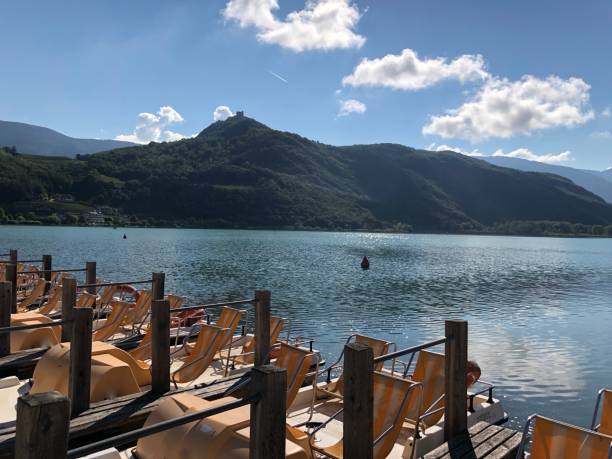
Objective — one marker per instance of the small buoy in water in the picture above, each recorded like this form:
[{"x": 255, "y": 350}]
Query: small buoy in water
[
  {"x": 365, "y": 263},
  {"x": 124, "y": 236}
]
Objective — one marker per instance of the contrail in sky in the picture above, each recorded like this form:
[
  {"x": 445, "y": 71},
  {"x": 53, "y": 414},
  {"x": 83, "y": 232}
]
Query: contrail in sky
[{"x": 277, "y": 76}]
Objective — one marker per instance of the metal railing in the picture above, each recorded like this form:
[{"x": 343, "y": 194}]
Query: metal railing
[{"x": 54, "y": 323}]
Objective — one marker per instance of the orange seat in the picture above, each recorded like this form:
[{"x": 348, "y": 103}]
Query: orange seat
[
  {"x": 605, "y": 426},
  {"x": 556, "y": 440},
  {"x": 391, "y": 405},
  {"x": 34, "y": 338},
  {"x": 110, "y": 376},
  {"x": 209, "y": 342},
  {"x": 379, "y": 347},
  {"x": 214, "y": 436}
]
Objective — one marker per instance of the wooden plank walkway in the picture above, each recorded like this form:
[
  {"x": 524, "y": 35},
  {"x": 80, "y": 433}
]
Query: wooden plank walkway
[
  {"x": 112, "y": 417},
  {"x": 483, "y": 441}
]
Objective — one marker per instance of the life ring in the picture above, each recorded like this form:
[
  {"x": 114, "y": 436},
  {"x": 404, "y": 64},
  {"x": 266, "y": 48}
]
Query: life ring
[
  {"x": 127, "y": 290},
  {"x": 473, "y": 373},
  {"x": 187, "y": 318}
]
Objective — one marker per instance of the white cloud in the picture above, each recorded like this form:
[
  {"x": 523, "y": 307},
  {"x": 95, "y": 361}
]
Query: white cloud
[
  {"x": 523, "y": 153},
  {"x": 606, "y": 112},
  {"x": 151, "y": 127},
  {"x": 221, "y": 113},
  {"x": 351, "y": 106},
  {"x": 322, "y": 24},
  {"x": 503, "y": 108},
  {"x": 601, "y": 135},
  {"x": 407, "y": 71}
]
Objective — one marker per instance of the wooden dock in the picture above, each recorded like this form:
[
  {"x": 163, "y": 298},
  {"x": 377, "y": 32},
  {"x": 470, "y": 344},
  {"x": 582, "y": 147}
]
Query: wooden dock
[
  {"x": 111, "y": 417},
  {"x": 483, "y": 441}
]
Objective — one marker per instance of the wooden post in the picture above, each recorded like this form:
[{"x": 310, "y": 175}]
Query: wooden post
[
  {"x": 13, "y": 256},
  {"x": 268, "y": 415},
  {"x": 80, "y": 361},
  {"x": 262, "y": 327},
  {"x": 358, "y": 416},
  {"x": 157, "y": 289},
  {"x": 68, "y": 305},
  {"x": 42, "y": 426},
  {"x": 90, "y": 276},
  {"x": 160, "y": 340},
  {"x": 11, "y": 276},
  {"x": 6, "y": 298},
  {"x": 455, "y": 381},
  {"x": 47, "y": 265}
]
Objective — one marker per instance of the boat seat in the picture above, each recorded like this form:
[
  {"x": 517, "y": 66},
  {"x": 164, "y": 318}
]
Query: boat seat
[
  {"x": 110, "y": 377},
  {"x": 216, "y": 437},
  {"x": 114, "y": 372},
  {"x": 335, "y": 389},
  {"x": 37, "y": 337},
  {"x": 554, "y": 439}
]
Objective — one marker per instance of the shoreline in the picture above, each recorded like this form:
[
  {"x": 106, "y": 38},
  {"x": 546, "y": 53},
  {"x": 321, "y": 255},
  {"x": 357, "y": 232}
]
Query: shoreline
[{"x": 326, "y": 230}]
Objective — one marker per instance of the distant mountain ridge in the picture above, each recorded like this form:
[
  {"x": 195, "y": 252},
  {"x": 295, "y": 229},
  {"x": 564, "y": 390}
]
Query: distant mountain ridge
[
  {"x": 240, "y": 173},
  {"x": 38, "y": 140},
  {"x": 596, "y": 182}
]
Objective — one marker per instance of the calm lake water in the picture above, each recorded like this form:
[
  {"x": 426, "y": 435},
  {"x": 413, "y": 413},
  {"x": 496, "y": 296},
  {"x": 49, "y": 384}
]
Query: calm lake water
[{"x": 539, "y": 309}]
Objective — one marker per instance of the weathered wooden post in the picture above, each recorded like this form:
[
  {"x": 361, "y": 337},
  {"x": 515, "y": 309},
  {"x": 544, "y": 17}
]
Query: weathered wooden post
[
  {"x": 80, "y": 361},
  {"x": 262, "y": 327},
  {"x": 13, "y": 256},
  {"x": 47, "y": 266},
  {"x": 90, "y": 276},
  {"x": 68, "y": 304},
  {"x": 160, "y": 340},
  {"x": 11, "y": 276},
  {"x": 268, "y": 415},
  {"x": 158, "y": 286},
  {"x": 42, "y": 426},
  {"x": 455, "y": 378},
  {"x": 5, "y": 317},
  {"x": 358, "y": 416}
]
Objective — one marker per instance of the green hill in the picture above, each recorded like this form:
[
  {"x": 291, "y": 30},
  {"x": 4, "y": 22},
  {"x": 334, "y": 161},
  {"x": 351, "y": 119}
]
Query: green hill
[{"x": 240, "y": 173}]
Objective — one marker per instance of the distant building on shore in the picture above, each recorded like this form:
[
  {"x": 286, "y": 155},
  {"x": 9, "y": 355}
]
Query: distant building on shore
[
  {"x": 240, "y": 114},
  {"x": 64, "y": 198},
  {"x": 94, "y": 218}
]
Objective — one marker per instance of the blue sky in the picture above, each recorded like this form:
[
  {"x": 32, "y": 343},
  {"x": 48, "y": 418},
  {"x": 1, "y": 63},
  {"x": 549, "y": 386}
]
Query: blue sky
[{"x": 529, "y": 79}]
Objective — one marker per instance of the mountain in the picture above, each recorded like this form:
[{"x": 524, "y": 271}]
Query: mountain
[
  {"x": 594, "y": 181},
  {"x": 241, "y": 173},
  {"x": 607, "y": 174},
  {"x": 38, "y": 140}
]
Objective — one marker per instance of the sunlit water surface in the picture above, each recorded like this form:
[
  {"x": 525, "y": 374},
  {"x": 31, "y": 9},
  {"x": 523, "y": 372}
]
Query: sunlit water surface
[{"x": 539, "y": 309}]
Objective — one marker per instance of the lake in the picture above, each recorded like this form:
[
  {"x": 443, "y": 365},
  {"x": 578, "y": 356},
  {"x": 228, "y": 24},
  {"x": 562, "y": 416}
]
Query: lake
[{"x": 539, "y": 309}]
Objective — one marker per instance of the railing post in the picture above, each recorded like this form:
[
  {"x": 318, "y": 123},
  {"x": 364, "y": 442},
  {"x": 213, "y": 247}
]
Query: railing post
[
  {"x": 358, "y": 416},
  {"x": 268, "y": 415},
  {"x": 262, "y": 327},
  {"x": 90, "y": 276},
  {"x": 158, "y": 286},
  {"x": 68, "y": 305},
  {"x": 80, "y": 361},
  {"x": 5, "y": 317},
  {"x": 11, "y": 276},
  {"x": 47, "y": 265},
  {"x": 455, "y": 382},
  {"x": 13, "y": 256},
  {"x": 160, "y": 340},
  {"x": 42, "y": 426}
]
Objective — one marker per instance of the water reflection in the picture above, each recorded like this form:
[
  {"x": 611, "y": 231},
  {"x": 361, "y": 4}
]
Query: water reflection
[{"x": 538, "y": 307}]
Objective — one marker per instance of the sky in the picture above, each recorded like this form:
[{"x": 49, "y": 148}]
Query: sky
[{"x": 522, "y": 78}]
